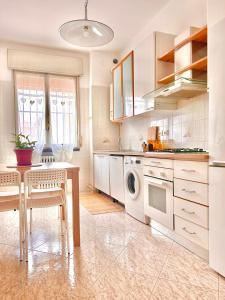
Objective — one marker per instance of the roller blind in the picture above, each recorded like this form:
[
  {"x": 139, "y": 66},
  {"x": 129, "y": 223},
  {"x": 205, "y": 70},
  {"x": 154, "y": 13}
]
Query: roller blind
[{"x": 44, "y": 63}]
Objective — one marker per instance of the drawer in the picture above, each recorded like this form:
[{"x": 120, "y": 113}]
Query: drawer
[
  {"x": 166, "y": 174},
  {"x": 191, "y": 170},
  {"x": 193, "y": 191},
  {"x": 192, "y": 232},
  {"x": 159, "y": 162},
  {"x": 193, "y": 212}
]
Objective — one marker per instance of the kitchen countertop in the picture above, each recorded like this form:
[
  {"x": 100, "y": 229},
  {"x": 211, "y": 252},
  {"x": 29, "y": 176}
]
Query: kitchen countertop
[
  {"x": 122, "y": 152},
  {"x": 176, "y": 156}
]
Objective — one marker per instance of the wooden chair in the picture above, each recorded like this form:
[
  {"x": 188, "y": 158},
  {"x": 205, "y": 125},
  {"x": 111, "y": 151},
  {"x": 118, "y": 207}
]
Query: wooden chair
[
  {"x": 12, "y": 200},
  {"x": 45, "y": 188}
]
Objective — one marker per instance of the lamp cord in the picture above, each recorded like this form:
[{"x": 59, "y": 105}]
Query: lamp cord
[{"x": 85, "y": 6}]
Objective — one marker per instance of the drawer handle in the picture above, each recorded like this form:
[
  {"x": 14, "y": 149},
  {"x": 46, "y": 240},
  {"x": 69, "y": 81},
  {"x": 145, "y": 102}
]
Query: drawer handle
[
  {"x": 189, "y": 191},
  {"x": 187, "y": 170},
  {"x": 185, "y": 229},
  {"x": 188, "y": 212},
  {"x": 150, "y": 172},
  {"x": 155, "y": 162},
  {"x": 162, "y": 174}
]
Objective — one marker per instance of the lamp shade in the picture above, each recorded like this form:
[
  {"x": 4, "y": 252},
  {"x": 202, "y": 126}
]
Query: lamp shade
[{"x": 86, "y": 33}]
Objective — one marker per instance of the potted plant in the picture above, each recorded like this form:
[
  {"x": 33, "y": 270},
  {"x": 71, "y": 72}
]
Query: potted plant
[{"x": 24, "y": 149}]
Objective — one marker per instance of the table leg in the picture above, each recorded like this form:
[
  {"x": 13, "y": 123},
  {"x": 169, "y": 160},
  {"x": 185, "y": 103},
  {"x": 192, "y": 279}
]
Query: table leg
[
  {"x": 62, "y": 212},
  {"x": 75, "y": 208}
]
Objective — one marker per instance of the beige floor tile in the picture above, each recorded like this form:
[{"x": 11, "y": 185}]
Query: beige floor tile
[
  {"x": 142, "y": 264},
  {"x": 222, "y": 283},
  {"x": 119, "y": 258},
  {"x": 117, "y": 281},
  {"x": 221, "y": 295},
  {"x": 176, "y": 269},
  {"x": 152, "y": 242},
  {"x": 165, "y": 289}
]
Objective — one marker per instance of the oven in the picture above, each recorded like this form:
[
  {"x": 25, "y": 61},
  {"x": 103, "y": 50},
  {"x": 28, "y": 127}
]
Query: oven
[{"x": 158, "y": 198}]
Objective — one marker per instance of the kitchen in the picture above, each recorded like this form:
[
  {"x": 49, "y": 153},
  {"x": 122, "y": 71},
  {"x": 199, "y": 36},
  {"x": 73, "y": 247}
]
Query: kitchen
[{"x": 151, "y": 144}]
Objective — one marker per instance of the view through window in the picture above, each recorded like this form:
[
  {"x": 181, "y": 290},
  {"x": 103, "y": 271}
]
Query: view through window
[{"x": 47, "y": 108}]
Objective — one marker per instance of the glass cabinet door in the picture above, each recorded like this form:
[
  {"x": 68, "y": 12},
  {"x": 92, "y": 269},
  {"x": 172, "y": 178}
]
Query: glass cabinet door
[
  {"x": 117, "y": 93},
  {"x": 128, "y": 93}
]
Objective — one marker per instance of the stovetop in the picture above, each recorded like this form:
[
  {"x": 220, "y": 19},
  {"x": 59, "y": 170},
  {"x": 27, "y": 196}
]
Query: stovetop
[{"x": 182, "y": 150}]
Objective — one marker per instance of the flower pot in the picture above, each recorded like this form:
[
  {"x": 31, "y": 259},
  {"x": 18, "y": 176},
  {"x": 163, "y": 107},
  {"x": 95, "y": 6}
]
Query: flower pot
[{"x": 24, "y": 157}]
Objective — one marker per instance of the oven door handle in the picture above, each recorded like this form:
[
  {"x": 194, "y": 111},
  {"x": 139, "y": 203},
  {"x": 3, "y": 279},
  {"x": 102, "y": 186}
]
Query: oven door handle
[{"x": 155, "y": 182}]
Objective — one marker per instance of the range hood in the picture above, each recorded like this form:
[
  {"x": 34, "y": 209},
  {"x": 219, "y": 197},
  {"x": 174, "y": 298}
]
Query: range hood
[{"x": 181, "y": 88}]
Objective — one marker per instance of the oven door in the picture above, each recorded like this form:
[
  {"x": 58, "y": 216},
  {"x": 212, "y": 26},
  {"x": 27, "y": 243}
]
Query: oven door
[{"x": 158, "y": 200}]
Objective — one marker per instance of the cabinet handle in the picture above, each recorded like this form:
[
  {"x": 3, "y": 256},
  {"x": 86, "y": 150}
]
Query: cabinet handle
[
  {"x": 185, "y": 229},
  {"x": 150, "y": 172},
  {"x": 189, "y": 191},
  {"x": 155, "y": 162},
  {"x": 186, "y": 170},
  {"x": 188, "y": 212},
  {"x": 162, "y": 174}
]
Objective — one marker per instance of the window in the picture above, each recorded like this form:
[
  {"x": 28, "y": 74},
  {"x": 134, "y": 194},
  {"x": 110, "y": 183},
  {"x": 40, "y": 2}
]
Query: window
[
  {"x": 62, "y": 110},
  {"x": 47, "y": 108}
]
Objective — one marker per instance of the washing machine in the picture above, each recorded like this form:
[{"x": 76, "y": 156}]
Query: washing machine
[{"x": 134, "y": 187}]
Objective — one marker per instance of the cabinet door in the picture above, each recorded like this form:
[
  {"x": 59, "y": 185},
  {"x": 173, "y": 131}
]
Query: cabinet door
[
  {"x": 128, "y": 85},
  {"x": 105, "y": 174},
  {"x": 101, "y": 173},
  {"x": 117, "y": 93},
  {"x": 116, "y": 178},
  {"x": 144, "y": 65},
  {"x": 97, "y": 172}
]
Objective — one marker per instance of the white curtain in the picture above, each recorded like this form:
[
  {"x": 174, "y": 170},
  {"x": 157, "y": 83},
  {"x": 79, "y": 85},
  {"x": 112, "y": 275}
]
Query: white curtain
[{"x": 63, "y": 116}]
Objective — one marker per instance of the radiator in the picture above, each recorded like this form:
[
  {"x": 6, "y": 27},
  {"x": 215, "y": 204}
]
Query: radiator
[{"x": 47, "y": 159}]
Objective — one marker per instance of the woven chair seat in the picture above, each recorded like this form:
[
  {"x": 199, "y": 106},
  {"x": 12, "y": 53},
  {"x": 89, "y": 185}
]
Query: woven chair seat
[{"x": 45, "y": 198}]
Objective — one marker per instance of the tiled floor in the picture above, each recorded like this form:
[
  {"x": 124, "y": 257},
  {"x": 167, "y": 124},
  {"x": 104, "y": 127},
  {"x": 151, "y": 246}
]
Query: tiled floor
[{"x": 119, "y": 258}]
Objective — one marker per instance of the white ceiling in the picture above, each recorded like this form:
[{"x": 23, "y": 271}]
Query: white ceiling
[{"x": 37, "y": 22}]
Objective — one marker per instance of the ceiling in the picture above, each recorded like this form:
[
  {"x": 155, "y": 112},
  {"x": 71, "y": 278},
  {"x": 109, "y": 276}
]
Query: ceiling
[{"x": 37, "y": 22}]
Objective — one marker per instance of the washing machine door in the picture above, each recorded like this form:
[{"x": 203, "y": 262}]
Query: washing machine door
[{"x": 132, "y": 184}]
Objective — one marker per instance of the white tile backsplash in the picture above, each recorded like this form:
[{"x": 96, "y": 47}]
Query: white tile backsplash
[{"x": 185, "y": 127}]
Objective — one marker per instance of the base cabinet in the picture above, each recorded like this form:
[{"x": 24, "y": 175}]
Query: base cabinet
[
  {"x": 101, "y": 173},
  {"x": 116, "y": 178}
]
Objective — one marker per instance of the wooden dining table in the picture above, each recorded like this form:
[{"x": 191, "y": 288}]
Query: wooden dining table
[{"x": 72, "y": 173}]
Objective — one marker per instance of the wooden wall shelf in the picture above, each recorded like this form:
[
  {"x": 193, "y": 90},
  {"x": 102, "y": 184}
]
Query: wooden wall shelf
[
  {"x": 200, "y": 65},
  {"x": 198, "y": 36}
]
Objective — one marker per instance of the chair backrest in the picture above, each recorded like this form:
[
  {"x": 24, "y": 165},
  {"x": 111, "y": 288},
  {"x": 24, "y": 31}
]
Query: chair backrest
[
  {"x": 44, "y": 179},
  {"x": 10, "y": 178}
]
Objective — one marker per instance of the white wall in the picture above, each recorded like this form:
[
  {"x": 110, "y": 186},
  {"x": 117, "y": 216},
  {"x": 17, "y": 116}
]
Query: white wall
[
  {"x": 185, "y": 127},
  {"x": 103, "y": 133},
  {"x": 7, "y": 108},
  {"x": 188, "y": 125},
  {"x": 174, "y": 18},
  {"x": 216, "y": 49}
]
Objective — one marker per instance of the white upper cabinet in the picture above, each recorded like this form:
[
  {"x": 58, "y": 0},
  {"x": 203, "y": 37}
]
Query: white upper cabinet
[
  {"x": 128, "y": 92},
  {"x": 123, "y": 89},
  {"x": 117, "y": 93},
  {"x": 144, "y": 64}
]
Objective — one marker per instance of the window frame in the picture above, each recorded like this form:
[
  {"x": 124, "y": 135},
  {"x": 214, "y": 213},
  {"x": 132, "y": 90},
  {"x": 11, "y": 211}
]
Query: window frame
[{"x": 47, "y": 105}]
